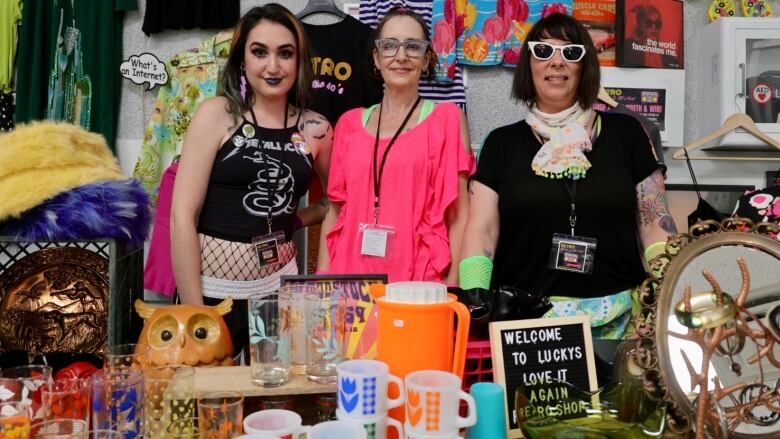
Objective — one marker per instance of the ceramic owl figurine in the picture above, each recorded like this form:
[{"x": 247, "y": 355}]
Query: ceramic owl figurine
[{"x": 195, "y": 335}]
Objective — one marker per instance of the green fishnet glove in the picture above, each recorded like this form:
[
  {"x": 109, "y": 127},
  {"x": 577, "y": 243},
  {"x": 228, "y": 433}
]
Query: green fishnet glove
[{"x": 475, "y": 272}]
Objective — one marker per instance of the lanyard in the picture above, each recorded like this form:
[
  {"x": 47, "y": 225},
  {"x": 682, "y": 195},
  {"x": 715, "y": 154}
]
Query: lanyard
[
  {"x": 272, "y": 189},
  {"x": 378, "y": 175},
  {"x": 572, "y": 191}
]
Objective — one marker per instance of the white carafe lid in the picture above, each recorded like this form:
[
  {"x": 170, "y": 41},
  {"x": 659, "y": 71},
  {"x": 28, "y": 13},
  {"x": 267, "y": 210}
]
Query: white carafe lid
[{"x": 416, "y": 292}]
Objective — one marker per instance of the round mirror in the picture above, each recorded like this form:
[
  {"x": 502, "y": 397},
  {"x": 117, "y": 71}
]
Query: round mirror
[{"x": 742, "y": 370}]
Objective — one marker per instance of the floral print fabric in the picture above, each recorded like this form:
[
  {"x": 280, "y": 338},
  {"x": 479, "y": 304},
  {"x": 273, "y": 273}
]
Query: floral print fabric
[
  {"x": 193, "y": 79},
  {"x": 485, "y": 32},
  {"x": 609, "y": 315}
]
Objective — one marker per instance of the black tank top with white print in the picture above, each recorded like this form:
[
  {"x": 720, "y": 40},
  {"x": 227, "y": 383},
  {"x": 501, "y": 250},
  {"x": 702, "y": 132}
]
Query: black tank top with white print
[{"x": 251, "y": 173}]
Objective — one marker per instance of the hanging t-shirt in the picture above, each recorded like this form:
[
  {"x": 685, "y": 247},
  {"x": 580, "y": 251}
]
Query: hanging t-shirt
[
  {"x": 341, "y": 62},
  {"x": 10, "y": 14},
  {"x": 98, "y": 24},
  {"x": 371, "y": 11},
  {"x": 189, "y": 14}
]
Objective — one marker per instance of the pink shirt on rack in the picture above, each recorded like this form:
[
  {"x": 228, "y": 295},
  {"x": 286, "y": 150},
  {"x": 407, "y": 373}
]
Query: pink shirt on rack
[{"x": 419, "y": 183}]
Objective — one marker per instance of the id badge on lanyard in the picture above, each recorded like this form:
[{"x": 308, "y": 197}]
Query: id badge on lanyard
[
  {"x": 376, "y": 239},
  {"x": 267, "y": 248},
  {"x": 571, "y": 252}
]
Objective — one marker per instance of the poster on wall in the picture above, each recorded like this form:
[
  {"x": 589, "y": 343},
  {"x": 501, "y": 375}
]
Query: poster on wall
[
  {"x": 598, "y": 16},
  {"x": 650, "y": 33},
  {"x": 650, "y": 102},
  {"x": 657, "y": 94}
]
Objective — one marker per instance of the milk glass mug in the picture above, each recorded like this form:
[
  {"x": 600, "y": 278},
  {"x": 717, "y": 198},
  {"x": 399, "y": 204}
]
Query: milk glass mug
[
  {"x": 362, "y": 389},
  {"x": 433, "y": 401}
]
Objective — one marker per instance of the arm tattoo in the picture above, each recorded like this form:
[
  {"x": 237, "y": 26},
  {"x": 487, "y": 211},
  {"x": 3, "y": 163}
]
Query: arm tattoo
[
  {"x": 652, "y": 204},
  {"x": 324, "y": 202},
  {"x": 487, "y": 253}
]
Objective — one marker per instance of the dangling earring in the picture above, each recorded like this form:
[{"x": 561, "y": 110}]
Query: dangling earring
[
  {"x": 377, "y": 72},
  {"x": 243, "y": 87}
]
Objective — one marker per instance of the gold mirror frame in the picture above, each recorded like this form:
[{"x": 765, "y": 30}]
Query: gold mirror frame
[{"x": 656, "y": 298}]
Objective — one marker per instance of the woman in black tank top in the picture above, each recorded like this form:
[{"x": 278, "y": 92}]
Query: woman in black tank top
[{"x": 247, "y": 159}]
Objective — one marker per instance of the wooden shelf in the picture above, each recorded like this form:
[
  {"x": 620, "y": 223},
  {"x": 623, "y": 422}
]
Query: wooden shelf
[{"x": 237, "y": 379}]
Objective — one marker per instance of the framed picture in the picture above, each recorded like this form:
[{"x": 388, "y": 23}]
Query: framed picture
[
  {"x": 362, "y": 314},
  {"x": 650, "y": 34},
  {"x": 682, "y": 199},
  {"x": 657, "y": 94},
  {"x": 352, "y": 9}
]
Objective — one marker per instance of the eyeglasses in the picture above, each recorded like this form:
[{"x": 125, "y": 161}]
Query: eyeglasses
[
  {"x": 655, "y": 24},
  {"x": 545, "y": 51},
  {"x": 388, "y": 47}
]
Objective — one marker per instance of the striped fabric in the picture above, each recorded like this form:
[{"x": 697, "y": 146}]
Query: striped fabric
[{"x": 371, "y": 11}]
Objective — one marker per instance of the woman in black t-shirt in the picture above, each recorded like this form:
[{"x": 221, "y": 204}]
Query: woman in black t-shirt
[
  {"x": 562, "y": 200},
  {"x": 247, "y": 159}
]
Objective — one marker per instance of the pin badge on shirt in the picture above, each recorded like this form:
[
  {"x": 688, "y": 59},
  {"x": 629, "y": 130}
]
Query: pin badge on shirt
[
  {"x": 248, "y": 130},
  {"x": 299, "y": 143},
  {"x": 238, "y": 141}
]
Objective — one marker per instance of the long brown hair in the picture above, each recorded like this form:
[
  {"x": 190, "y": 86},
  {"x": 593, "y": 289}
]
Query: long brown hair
[{"x": 231, "y": 78}]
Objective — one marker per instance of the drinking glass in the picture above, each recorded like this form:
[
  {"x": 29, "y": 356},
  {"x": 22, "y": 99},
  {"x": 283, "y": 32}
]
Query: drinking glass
[
  {"x": 325, "y": 334},
  {"x": 15, "y": 420},
  {"x": 170, "y": 397},
  {"x": 270, "y": 338},
  {"x": 221, "y": 415},
  {"x": 104, "y": 434},
  {"x": 67, "y": 399},
  {"x": 118, "y": 401},
  {"x": 297, "y": 294},
  {"x": 183, "y": 429},
  {"x": 23, "y": 384},
  {"x": 59, "y": 429},
  {"x": 131, "y": 355}
]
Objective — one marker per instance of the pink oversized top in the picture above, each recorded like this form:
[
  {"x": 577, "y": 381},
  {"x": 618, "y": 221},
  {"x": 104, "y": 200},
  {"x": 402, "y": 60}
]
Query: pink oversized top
[{"x": 419, "y": 183}]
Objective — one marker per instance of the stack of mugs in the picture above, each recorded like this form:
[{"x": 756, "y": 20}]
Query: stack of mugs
[
  {"x": 363, "y": 396},
  {"x": 432, "y": 403}
]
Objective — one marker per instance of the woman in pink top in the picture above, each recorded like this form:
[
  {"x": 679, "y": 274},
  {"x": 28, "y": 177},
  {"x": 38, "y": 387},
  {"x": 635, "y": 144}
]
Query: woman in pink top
[{"x": 399, "y": 170}]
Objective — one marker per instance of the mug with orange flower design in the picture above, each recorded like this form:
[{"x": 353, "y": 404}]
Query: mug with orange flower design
[
  {"x": 432, "y": 403},
  {"x": 221, "y": 415}
]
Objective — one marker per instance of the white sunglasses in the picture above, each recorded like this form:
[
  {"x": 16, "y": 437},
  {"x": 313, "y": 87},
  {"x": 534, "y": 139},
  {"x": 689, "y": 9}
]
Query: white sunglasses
[{"x": 544, "y": 51}]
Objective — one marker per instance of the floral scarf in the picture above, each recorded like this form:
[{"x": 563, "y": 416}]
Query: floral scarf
[{"x": 563, "y": 155}]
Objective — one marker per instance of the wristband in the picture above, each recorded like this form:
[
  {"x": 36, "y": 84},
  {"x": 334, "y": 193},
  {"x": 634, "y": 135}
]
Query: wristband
[
  {"x": 475, "y": 272},
  {"x": 654, "y": 250}
]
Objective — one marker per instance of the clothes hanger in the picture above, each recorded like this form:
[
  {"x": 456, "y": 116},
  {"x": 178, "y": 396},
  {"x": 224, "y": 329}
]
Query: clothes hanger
[
  {"x": 736, "y": 120},
  {"x": 321, "y": 6},
  {"x": 604, "y": 97}
]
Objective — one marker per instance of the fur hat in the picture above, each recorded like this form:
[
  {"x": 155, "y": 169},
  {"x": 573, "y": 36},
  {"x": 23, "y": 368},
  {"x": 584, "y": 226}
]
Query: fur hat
[{"x": 43, "y": 159}]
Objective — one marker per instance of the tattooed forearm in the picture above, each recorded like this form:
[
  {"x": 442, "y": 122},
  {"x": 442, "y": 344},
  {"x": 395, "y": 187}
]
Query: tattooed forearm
[
  {"x": 652, "y": 204},
  {"x": 487, "y": 253}
]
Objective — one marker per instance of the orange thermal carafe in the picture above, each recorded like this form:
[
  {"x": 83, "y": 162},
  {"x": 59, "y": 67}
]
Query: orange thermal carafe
[{"x": 417, "y": 336}]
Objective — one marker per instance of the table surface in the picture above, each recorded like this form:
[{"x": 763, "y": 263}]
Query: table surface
[{"x": 237, "y": 379}]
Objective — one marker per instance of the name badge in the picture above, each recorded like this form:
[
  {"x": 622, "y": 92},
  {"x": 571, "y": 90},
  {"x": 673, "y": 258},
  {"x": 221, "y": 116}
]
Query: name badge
[
  {"x": 375, "y": 239},
  {"x": 572, "y": 253},
  {"x": 267, "y": 248}
]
